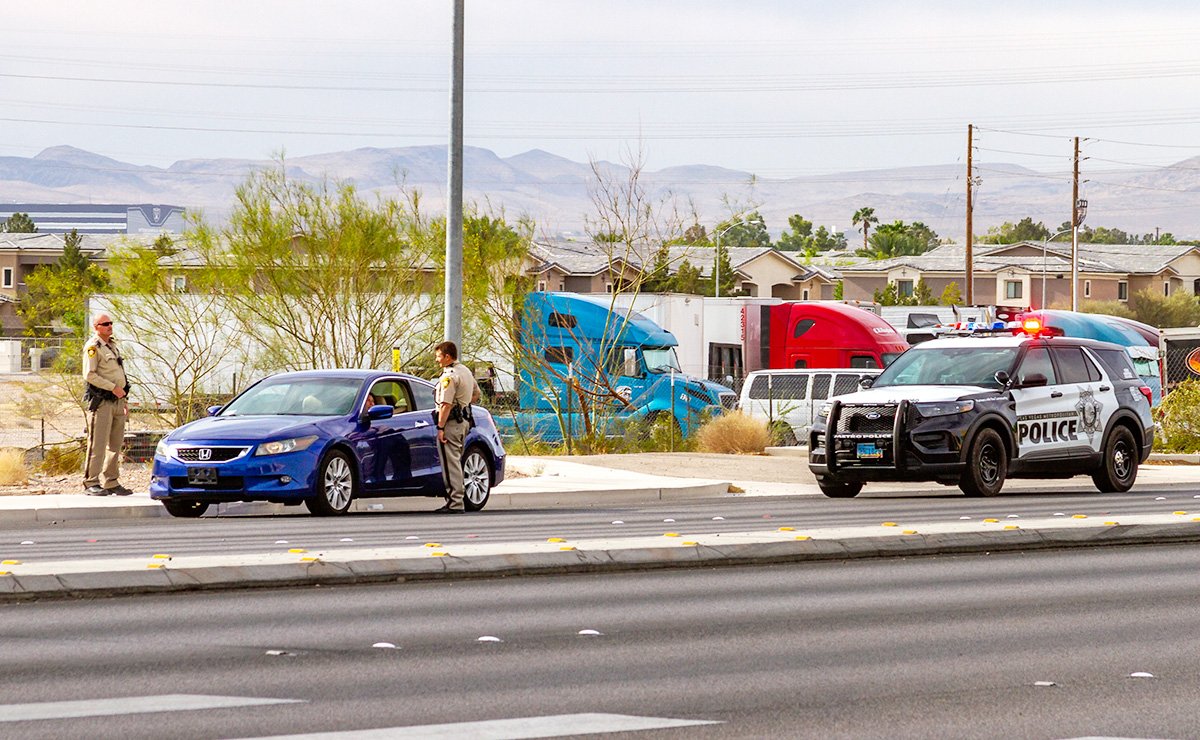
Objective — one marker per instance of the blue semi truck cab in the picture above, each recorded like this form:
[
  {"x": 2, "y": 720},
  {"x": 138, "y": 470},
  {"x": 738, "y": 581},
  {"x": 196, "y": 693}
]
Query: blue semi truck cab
[{"x": 622, "y": 367}]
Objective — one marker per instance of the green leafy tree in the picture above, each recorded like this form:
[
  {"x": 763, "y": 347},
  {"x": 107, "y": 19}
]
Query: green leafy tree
[
  {"x": 839, "y": 291},
  {"x": 899, "y": 239},
  {"x": 687, "y": 279},
  {"x": 865, "y": 217},
  {"x": 19, "y": 223},
  {"x": 824, "y": 241},
  {"x": 58, "y": 294},
  {"x": 799, "y": 238},
  {"x": 922, "y": 294},
  {"x": 951, "y": 295},
  {"x": 1009, "y": 233},
  {"x": 749, "y": 230}
]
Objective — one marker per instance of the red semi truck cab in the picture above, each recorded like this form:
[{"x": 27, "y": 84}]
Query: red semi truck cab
[{"x": 818, "y": 335}]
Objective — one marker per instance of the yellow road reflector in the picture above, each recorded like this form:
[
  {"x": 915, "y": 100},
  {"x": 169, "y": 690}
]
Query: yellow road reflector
[
  {"x": 1111, "y": 524},
  {"x": 297, "y": 550},
  {"x": 433, "y": 544},
  {"x": 556, "y": 539},
  {"x": 803, "y": 537},
  {"x": 670, "y": 534},
  {"x": 439, "y": 554},
  {"x": 690, "y": 543},
  {"x": 890, "y": 524},
  {"x": 909, "y": 531},
  {"x": 1181, "y": 513},
  {"x": 156, "y": 565},
  {"x": 990, "y": 521},
  {"x": 1079, "y": 516},
  {"x": 787, "y": 529},
  {"x": 10, "y": 562},
  {"x": 1011, "y": 526},
  {"x": 309, "y": 559},
  {"x": 566, "y": 547},
  {"x": 5, "y": 573},
  {"x": 161, "y": 556}
]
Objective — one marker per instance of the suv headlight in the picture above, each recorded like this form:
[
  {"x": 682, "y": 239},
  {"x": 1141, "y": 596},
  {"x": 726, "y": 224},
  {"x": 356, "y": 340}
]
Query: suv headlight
[
  {"x": 943, "y": 408},
  {"x": 823, "y": 412},
  {"x": 280, "y": 446}
]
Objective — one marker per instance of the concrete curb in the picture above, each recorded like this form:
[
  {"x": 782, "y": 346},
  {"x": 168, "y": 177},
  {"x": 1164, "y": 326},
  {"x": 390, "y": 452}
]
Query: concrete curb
[{"x": 135, "y": 576}]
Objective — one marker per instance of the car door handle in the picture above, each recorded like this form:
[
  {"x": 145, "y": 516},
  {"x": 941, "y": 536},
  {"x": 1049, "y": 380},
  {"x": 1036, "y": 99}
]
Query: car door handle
[
  {"x": 420, "y": 424},
  {"x": 1056, "y": 394},
  {"x": 1105, "y": 388}
]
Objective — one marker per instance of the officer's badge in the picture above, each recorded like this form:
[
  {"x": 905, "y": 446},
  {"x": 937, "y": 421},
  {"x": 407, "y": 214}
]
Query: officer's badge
[
  {"x": 1089, "y": 412},
  {"x": 445, "y": 381},
  {"x": 91, "y": 351}
]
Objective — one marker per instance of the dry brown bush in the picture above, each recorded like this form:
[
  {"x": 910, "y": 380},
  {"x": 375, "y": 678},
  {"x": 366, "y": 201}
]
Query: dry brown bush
[
  {"x": 63, "y": 459},
  {"x": 12, "y": 467},
  {"x": 733, "y": 433}
]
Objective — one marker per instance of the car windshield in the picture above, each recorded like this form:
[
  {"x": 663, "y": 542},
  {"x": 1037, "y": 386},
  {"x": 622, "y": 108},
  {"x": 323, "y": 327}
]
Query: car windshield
[
  {"x": 661, "y": 360},
  {"x": 948, "y": 366},
  {"x": 296, "y": 397}
]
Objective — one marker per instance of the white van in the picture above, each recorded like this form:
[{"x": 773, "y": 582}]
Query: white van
[{"x": 794, "y": 395}]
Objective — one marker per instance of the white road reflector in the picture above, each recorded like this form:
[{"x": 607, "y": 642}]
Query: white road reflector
[
  {"x": 559, "y": 725},
  {"x": 129, "y": 705}
]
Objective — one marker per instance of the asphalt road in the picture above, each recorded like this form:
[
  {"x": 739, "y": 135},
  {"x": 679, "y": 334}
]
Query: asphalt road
[
  {"x": 254, "y": 534},
  {"x": 924, "y": 648}
]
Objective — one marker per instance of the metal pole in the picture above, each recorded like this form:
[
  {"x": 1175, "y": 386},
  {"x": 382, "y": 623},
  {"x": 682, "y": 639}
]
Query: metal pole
[
  {"x": 454, "y": 237},
  {"x": 970, "y": 266},
  {"x": 717, "y": 268},
  {"x": 1075, "y": 232}
]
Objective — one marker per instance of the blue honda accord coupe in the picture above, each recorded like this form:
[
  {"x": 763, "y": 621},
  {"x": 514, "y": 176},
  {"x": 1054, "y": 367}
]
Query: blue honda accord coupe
[{"x": 322, "y": 437}]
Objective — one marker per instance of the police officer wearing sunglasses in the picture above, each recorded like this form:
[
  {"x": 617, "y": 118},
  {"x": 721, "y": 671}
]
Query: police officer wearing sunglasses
[{"x": 105, "y": 392}]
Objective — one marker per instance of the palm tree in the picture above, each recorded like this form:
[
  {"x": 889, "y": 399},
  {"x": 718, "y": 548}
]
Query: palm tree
[{"x": 865, "y": 216}]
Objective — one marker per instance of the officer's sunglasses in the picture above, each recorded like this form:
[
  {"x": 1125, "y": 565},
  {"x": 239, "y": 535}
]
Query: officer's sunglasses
[{"x": 104, "y": 323}]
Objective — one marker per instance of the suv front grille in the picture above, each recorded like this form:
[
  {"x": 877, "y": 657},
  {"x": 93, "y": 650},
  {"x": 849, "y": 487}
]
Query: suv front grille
[
  {"x": 866, "y": 419},
  {"x": 729, "y": 401}
]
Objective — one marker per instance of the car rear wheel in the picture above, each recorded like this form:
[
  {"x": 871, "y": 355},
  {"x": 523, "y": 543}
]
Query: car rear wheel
[
  {"x": 839, "y": 489},
  {"x": 987, "y": 465},
  {"x": 185, "y": 509},
  {"x": 1118, "y": 470},
  {"x": 335, "y": 486},
  {"x": 477, "y": 479}
]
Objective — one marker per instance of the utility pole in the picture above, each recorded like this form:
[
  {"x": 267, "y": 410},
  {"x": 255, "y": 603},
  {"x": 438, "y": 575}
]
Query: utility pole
[
  {"x": 1075, "y": 232},
  {"x": 970, "y": 294},
  {"x": 454, "y": 190}
]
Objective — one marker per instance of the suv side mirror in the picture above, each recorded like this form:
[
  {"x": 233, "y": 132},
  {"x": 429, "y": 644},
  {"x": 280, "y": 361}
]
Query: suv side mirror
[
  {"x": 1002, "y": 378},
  {"x": 866, "y": 383},
  {"x": 1035, "y": 380}
]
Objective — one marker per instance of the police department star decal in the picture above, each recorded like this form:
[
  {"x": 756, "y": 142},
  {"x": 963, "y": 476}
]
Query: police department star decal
[{"x": 1089, "y": 412}]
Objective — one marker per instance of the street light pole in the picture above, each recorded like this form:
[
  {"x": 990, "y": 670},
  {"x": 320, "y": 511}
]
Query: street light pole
[
  {"x": 1046, "y": 241},
  {"x": 717, "y": 261}
]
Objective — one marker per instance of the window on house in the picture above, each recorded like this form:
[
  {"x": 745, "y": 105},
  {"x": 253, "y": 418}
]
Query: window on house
[
  {"x": 1166, "y": 287},
  {"x": 541, "y": 286},
  {"x": 904, "y": 288},
  {"x": 804, "y": 295},
  {"x": 608, "y": 288},
  {"x": 1013, "y": 289},
  {"x": 179, "y": 284},
  {"x": 8, "y": 277},
  {"x": 1123, "y": 290},
  {"x": 1087, "y": 288},
  {"x": 562, "y": 285}
]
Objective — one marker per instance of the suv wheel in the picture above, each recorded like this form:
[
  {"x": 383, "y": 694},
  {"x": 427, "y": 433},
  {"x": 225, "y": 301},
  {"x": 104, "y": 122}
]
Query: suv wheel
[
  {"x": 987, "y": 465},
  {"x": 1119, "y": 466},
  {"x": 839, "y": 489}
]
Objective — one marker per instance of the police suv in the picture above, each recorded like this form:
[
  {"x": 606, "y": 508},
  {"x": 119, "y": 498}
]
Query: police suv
[{"x": 974, "y": 410}]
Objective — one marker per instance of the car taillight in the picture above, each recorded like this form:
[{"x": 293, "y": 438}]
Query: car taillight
[{"x": 1149, "y": 394}]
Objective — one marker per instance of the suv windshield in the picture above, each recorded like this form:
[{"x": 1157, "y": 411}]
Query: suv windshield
[
  {"x": 948, "y": 366},
  {"x": 293, "y": 397}
]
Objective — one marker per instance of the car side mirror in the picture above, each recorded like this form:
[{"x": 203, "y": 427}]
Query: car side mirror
[
  {"x": 1002, "y": 378},
  {"x": 1034, "y": 380},
  {"x": 214, "y": 410},
  {"x": 866, "y": 383},
  {"x": 377, "y": 412}
]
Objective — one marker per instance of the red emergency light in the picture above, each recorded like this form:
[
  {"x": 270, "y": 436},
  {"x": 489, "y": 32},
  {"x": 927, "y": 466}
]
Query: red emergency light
[{"x": 1035, "y": 328}]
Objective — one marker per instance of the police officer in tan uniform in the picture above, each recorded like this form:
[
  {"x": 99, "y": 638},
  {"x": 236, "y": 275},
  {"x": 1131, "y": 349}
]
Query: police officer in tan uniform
[
  {"x": 106, "y": 390},
  {"x": 456, "y": 390}
]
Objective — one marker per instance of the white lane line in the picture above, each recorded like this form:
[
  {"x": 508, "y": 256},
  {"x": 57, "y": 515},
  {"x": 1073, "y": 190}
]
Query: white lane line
[
  {"x": 559, "y": 725},
  {"x": 128, "y": 705}
]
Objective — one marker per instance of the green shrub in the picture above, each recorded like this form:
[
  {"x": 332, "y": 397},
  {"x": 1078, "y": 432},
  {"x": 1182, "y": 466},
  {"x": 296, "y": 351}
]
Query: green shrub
[
  {"x": 1179, "y": 418},
  {"x": 64, "y": 459}
]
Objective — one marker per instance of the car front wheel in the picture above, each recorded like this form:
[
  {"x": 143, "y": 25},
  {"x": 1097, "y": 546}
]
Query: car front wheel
[
  {"x": 987, "y": 465},
  {"x": 335, "y": 485},
  {"x": 1118, "y": 470},
  {"x": 839, "y": 489},
  {"x": 477, "y": 479}
]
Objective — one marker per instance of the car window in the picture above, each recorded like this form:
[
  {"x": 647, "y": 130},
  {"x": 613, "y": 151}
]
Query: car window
[
  {"x": 422, "y": 395},
  {"x": 1036, "y": 362},
  {"x": 291, "y": 396},
  {"x": 391, "y": 393},
  {"x": 1073, "y": 366},
  {"x": 935, "y": 364},
  {"x": 758, "y": 387},
  {"x": 1117, "y": 363},
  {"x": 864, "y": 362},
  {"x": 843, "y": 384},
  {"x": 820, "y": 387},
  {"x": 790, "y": 387}
]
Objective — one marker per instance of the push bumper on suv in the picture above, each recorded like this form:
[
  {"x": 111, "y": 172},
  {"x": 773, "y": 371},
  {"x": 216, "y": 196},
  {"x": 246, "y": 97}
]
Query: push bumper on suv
[{"x": 887, "y": 442}]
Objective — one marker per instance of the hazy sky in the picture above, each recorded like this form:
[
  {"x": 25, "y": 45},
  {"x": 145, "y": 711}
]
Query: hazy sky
[{"x": 776, "y": 88}]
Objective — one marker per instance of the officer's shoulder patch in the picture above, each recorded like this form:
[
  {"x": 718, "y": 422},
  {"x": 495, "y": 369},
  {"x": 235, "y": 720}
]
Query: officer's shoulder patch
[
  {"x": 91, "y": 351},
  {"x": 446, "y": 381}
]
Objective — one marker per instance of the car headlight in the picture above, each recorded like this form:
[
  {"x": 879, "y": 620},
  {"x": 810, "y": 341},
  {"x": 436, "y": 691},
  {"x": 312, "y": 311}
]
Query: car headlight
[
  {"x": 823, "y": 412},
  {"x": 162, "y": 449},
  {"x": 280, "y": 446},
  {"x": 943, "y": 408}
]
